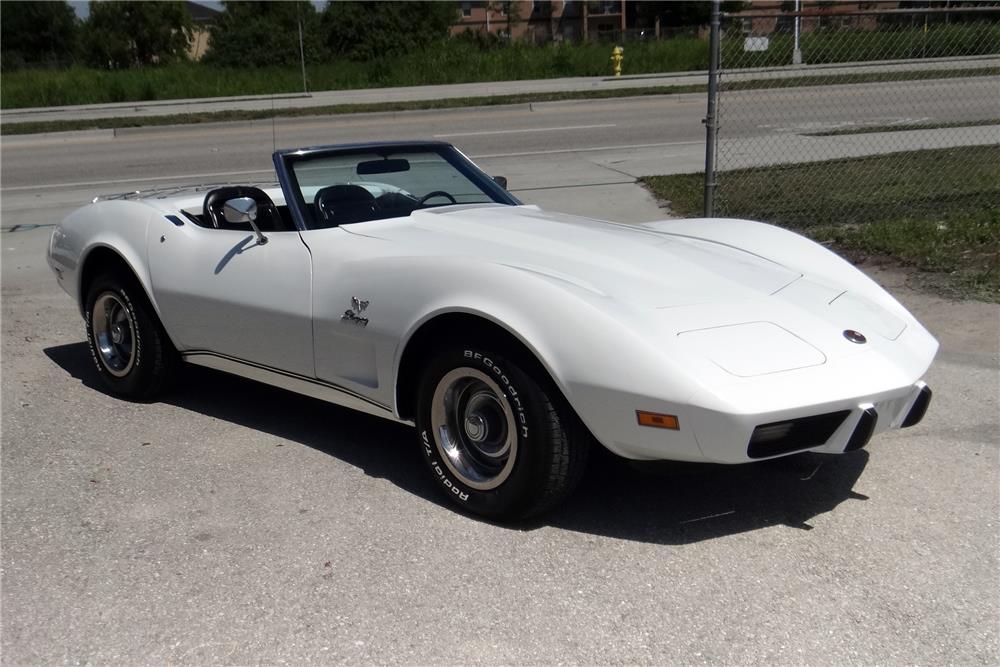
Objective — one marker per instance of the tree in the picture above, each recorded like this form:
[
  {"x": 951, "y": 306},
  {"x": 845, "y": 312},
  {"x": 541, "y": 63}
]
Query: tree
[
  {"x": 683, "y": 14},
  {"x": 261, "y": 34},
  {"x": 37, "y": 33},
  {"x": 126, "y": 34},
  {"x": 371, "y": 30}
]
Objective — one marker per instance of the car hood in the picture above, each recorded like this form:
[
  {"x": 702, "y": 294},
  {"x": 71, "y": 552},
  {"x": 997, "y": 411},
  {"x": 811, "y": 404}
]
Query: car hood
[
  {"x": 747, "y": 314},
  {"x": 625, "y": 262}
]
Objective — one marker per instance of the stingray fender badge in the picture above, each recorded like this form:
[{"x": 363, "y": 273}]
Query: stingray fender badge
[
  {"x": 855, "y": 336},
  {"x": 353, "y": 314}
]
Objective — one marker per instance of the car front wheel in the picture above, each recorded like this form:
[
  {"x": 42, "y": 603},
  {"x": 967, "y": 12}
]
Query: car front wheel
[
  {"x": 131, "y": 351},
  {"x": 498, "y": 442}
]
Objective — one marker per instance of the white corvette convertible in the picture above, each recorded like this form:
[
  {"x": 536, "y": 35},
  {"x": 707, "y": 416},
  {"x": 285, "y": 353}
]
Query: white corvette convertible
[{"x": 400, "y": 280}]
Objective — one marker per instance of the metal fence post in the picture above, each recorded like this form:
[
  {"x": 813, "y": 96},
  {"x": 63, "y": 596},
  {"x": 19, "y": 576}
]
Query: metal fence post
[
  {"x": 828, "y": 153},
  {"x": 711, "y": 115}
]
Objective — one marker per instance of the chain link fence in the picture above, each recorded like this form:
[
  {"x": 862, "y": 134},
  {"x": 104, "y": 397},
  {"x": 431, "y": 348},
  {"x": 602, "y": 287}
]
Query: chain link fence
[{"x": 856, "y": 117}]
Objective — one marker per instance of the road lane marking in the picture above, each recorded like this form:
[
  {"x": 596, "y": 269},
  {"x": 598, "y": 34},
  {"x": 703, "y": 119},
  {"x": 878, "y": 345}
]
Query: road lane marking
[
  {"x": 221, "y": 174},
  {"x": 485, "y": 133},
  {"x": 589, "y": 149},
  {"x": 575, "y": 185},
  {"x": 148, "y": 179}
]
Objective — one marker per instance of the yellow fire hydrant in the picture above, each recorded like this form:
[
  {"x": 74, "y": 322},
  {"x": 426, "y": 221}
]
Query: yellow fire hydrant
[{"x": 617, "y": 56}]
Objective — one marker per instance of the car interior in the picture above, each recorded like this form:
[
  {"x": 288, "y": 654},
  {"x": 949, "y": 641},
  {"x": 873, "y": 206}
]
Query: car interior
[
  {"x": 270, "y": 218},
  {"x": 343, "y": 204},
  {"x": 332, "y": 206}
]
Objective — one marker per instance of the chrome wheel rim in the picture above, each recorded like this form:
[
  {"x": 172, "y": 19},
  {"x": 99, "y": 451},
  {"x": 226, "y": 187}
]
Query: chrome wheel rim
[
  {"x": 474, "y": 428},
  {"x": 114, "y": 333}
]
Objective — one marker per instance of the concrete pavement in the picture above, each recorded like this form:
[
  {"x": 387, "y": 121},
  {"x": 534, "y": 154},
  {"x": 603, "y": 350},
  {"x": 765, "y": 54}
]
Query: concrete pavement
[{"x": 234, "y": 523}]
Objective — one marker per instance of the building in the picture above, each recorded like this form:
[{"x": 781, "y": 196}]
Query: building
[
  {"x": 546, "y": 21},
  {"x": 764, "y": 16},
  {"x": 202, "y": 17}
]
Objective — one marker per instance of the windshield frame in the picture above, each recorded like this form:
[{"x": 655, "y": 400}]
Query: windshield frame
[{"x": 284, "y": 160}]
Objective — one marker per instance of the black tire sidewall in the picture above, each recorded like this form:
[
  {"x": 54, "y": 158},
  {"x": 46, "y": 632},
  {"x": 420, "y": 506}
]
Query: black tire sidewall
[
  {"x": 518, "y": 494},
  {"x": 137, "y": 381}
]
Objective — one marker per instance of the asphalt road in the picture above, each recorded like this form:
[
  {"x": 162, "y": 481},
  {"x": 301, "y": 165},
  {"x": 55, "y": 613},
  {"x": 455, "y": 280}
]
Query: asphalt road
[
  {"x": 543, "y": 149},
  {"x": 237, "y": 523}
]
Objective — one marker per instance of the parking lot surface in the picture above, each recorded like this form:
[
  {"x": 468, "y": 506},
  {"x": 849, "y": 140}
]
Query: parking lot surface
[{"x": 236, "y": 523}]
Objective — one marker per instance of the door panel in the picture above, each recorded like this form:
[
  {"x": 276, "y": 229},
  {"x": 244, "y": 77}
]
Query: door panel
[
  {"x": 354, "y": 342},
  {"x": 219, "y": 290}
]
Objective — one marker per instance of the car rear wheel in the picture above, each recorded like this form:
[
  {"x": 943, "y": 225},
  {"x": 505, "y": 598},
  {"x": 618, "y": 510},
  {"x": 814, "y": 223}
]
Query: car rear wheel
[
  {"x": 131, "y": 351},
  {"x": 499, "y": 441}
]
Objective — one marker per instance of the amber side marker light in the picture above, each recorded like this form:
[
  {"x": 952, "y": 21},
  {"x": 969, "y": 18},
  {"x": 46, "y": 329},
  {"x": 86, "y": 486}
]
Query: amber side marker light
[{"x": 657, "y": 420}]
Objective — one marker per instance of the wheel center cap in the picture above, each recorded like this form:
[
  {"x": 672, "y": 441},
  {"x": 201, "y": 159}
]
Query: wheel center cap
[
  {"x": 475, "y": 427},
  {"x": 117, "y": 335}
]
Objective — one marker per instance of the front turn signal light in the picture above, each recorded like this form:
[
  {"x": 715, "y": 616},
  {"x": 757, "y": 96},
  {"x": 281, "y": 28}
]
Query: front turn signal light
[{"x": 657, "y": 420}]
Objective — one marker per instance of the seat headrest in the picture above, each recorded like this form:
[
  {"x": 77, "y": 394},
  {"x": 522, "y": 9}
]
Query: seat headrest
[
  {"x": 337, "y": 204},
  {"x": 216, "y": 199}
]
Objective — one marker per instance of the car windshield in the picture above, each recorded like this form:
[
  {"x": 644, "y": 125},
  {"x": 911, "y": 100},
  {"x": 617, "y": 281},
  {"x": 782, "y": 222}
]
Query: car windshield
[{"x": 361, "y": 186}]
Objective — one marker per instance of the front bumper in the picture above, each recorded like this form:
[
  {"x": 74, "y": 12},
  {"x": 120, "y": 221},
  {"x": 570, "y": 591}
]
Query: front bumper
[
  {"x": 844, "y": 430},
  {"x": 832, "y": 427}
]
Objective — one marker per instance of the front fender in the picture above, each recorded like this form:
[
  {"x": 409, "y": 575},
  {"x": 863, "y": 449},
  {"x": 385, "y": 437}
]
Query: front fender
[
  {"x": 597, "y": 350},
  {"x": 120, "y": 226}
]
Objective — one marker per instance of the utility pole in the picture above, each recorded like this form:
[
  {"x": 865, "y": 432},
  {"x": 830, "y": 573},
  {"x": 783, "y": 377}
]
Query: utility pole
[
  {"x": 711, "y": 116},
  {"x": 302, "y": 51},
  {"x": 302, "y": 58}
]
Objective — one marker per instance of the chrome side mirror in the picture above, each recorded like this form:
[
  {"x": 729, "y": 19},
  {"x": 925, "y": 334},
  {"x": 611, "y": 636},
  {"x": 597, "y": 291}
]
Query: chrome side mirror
[
  {"x": 243, "y": 210},
  {"x": 501, "y": 181}
]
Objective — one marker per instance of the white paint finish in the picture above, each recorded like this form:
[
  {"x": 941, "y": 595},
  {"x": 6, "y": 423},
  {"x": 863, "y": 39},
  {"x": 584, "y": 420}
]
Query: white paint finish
[
  {"x": 300, "y": 385},
  {"x": 218, "y": 290},
  {"x": 120, "y": 225},
  {"x": 623, "y": 292},
  {"x": 868, "y": 316},
  {"x": 346, "y": 352},
  {"x": 752, "y": 349},
  {"x": 628, "y": 263}
]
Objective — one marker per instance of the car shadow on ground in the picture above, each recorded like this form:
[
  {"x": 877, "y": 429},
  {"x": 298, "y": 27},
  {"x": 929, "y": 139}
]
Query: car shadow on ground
[{"x": 660, "y": 502}]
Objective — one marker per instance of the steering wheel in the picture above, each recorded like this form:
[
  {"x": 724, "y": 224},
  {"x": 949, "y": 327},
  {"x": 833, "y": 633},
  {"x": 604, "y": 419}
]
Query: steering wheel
[{"x": 437, "y": 193}]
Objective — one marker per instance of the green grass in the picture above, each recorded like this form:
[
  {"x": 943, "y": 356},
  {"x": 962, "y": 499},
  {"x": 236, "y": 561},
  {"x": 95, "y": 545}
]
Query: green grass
[
  {"x": 462, "y": 61},
  {"x": 902, "y": 127},
  {"x": 958, "y": 254},
  {"x": 937, "y": 211},
  {"x": 455, "y": 62},
  {"x": 33, "y": 127}
]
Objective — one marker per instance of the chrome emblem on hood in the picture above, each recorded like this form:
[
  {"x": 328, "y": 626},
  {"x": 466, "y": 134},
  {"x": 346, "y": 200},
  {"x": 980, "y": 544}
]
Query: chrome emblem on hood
[{"x": 855, "y": 336}]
